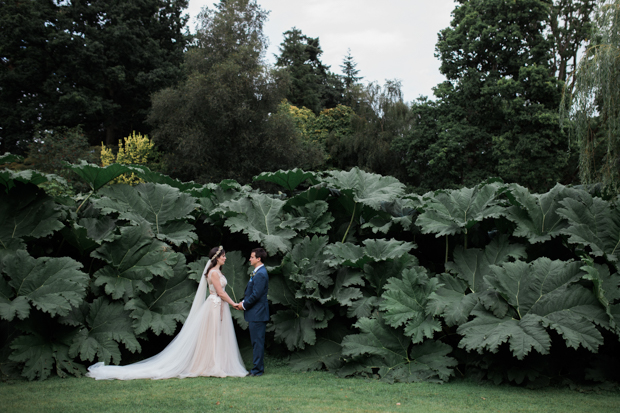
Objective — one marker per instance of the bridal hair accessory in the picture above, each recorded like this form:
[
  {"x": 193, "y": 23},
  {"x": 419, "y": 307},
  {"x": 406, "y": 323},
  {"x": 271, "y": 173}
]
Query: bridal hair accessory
[{"x": 217, "y": 253}]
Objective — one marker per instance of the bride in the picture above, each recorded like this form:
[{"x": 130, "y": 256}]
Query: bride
[{"x": 205, "y": 346}]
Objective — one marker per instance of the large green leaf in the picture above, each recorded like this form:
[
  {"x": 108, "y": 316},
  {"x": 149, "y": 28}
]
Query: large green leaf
[
  {"x": 158, "y": 178},
  {"x": 374, "y": 250},
  {"x": 103, "y": 326},
  {"x": 536, "y": 215},
  {"x": 9, "y": 178},
  {"x": 450, "y": 212},
  {"x": 594, "y": 223},
  {"x": 26, "y": 211},
  {"x": 542, "y": 295},
  {"x": 326, "y": 352},
  {"x": 318, "y": 218},
  {"x": 44, "y": 353},
  {"x": 167, "y": 304},
  {"x": 306, "y": 265},
  {"x": 134, "y": 259},
  {"x": 365, "y": 188},
  {"x": 53, "y": 285},
  {"x": 457, "y": 297},
  {"x": 289, "y": 180},
  {"x": 400, "y": 211},
  {"x": 10, "y": 158},
  {"x": 97, "y": 176},
  {"x": 473, "y": 264},
  {"x": 261, "y": 218},
  {"x": 345, "y": 290},
  {"x": 296, "y": 324},
  {"x": 165, "y": 208},
  {"x": 389, "y": 351},
  {"x": 607, "y": 290},
  {"x": 452, "y": 300},
  {"x": 404, "y": 303}
]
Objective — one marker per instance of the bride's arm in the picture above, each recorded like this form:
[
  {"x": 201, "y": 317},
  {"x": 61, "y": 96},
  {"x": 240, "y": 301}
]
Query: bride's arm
[{"x": 218, "y": 287}]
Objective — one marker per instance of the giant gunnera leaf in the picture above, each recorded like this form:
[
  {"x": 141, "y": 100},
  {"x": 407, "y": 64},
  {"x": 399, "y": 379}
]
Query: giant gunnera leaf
[
  {"x": 43, "y": 348},
  {"x": 326, "y": 352},
  {"x": 305, "y": 264},
  {"x": 97, "y": 176},
  {"x": 133, "y": 260},
  {"x": 289, "y": 180},
  {"x": 457, "y": 297},
  {"x": 26, "y": 211},
  {"x": 404, "y": 303},
  {"x": 536, "y": 215},
  {"x": 388, "y": 350},
  {"x": 53, "y": 285},
  {"x": 165, "y": 208},
  {"x": 102, "y": 326},
  {"x": 450, "y": 212},
  {"x": 165, "y": 306},
  {"x": 542, "y": 296},
  {"x": 374, "y": 250},
  {"x": 261, "y": 218},
  {"x": 364, "y": 187},
  {"x": 594, "y": 223},
  {"x": 295, "y": 325},
  {"x": 9, "y": 178}
]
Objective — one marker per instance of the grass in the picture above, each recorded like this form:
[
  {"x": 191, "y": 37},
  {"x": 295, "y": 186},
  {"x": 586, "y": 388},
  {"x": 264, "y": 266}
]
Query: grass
[{"x": 282, "y": 390}]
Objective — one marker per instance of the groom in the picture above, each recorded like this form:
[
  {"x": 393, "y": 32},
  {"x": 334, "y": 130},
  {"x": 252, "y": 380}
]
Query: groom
[{"x": 256, "y": 309}]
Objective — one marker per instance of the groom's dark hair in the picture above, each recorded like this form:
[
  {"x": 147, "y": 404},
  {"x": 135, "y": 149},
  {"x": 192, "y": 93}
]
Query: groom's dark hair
[{"x": 260, "y": 253}]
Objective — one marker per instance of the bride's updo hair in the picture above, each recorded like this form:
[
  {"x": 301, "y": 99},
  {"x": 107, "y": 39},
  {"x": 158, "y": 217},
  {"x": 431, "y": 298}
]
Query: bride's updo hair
[{"x": 215, "y": 253}]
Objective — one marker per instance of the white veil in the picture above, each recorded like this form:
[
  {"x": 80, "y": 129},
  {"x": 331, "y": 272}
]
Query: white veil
[{"x": 172, "y": 361}]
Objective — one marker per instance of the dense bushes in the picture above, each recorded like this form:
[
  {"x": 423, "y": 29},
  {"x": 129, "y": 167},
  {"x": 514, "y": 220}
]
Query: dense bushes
[{"x": 365, "y": 279}]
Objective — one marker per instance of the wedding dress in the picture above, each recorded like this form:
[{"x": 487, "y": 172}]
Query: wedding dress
[{"x": 205, "y": 346}]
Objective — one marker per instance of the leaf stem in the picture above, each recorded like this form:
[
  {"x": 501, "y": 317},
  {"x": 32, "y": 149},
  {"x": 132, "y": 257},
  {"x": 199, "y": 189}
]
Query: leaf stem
[
  {"x": 350, "y": 223},
  {"x": 89, "y": 195}
]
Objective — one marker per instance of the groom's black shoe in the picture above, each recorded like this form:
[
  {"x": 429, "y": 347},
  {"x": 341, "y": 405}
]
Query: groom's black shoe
[{"x": 256, "y": 375}]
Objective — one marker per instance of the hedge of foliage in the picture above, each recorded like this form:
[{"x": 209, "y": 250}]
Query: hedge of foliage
[{"x": 365, "y": 279}]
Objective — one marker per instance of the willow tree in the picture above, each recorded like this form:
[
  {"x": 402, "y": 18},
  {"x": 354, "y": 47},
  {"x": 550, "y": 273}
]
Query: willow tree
[{"x": 595, "y": 103}]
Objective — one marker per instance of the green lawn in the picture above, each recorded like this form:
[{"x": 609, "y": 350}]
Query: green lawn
[{"x": 282, "y": 390}]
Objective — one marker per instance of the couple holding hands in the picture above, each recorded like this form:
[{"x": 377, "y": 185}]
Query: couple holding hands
[{"x": 206, "y": 344}]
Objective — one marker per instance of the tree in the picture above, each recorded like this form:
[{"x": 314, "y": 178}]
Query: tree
[
  {"x": 312, "y": 84},
  {"x": 594, "y": 104},
  {"x": 350, "y": 71},
  {"x": 217, "y": 124},
  {"x": 90, "y": 63},
  {"x": 380, "y": 117},
  {"x": 570, "y": 26},
  {"x": 496, "y": 113}
]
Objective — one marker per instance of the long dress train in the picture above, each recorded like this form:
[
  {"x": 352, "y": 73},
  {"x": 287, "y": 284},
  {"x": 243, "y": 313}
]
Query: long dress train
[{"x": 205, "y": 346}]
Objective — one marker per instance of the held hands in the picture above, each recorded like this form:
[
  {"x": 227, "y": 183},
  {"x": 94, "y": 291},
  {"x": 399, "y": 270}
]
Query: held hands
[{"x": 237, "y": 306}]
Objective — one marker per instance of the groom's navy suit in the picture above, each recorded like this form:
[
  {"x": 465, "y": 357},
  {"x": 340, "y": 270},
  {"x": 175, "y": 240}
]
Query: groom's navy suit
[{"x": 257, "y": 314}]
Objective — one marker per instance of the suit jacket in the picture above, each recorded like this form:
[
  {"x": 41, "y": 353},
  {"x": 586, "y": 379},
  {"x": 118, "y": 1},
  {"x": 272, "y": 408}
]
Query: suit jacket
[{"x": 255, "y": 297}]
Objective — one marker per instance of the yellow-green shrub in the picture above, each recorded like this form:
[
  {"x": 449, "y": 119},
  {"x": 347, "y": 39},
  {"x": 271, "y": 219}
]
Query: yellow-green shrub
[{"x": 137, "y": 149}]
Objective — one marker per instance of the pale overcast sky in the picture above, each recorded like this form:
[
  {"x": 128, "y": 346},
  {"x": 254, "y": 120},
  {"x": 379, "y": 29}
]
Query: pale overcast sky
[{"x": 389, "y": 39}]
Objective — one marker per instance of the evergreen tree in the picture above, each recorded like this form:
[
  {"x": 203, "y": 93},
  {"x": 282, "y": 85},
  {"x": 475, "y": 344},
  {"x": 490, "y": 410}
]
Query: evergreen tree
[
  {"x": 497, "y": 112},
  {"x": 90, "y": 63},
  {"x": 218, "y": 124},
  {"x": 312, "y": 84},
  {"x": 350, "y": 71}
]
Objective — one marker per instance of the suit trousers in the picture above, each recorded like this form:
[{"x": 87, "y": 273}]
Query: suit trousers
[{"x": 257, "y": 337}]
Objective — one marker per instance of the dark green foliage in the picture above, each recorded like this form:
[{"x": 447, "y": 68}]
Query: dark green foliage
[
  {"x": 216, "y": 124},
  {"x": 88, "y": 63},
  {"x": 343, "y": 295},
  {"x": 312, "y": 85},
  {"x": 497, "y": 112}
]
